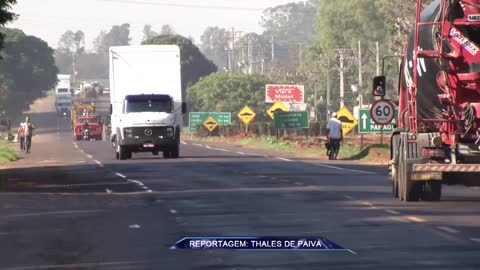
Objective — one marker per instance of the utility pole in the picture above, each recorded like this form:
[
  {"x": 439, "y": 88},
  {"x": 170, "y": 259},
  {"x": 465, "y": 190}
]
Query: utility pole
[
  {"x": 233, "y": 50},
  {"x": 74, "y": 77},
  {"x": 300, "y": 53},
  {"x": 250, "y": 55},
  {"x": 328, "y": 88},
  {"x": 360, "y": 81},
  {"x": 342, "y": 86},
  {"x": 360, "y": 84},
  {"x": 378, "y": 58},
  {"x": 273, "y": 49}
]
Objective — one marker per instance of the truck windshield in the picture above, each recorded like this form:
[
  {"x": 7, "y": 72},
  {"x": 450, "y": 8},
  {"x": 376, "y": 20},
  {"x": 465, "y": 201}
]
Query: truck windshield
[
  {"x": 152, "y": 105},
  {"x": 62, "y": 90}
]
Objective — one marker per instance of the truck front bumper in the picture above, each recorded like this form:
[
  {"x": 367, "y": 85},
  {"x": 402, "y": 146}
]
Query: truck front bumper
[{"x": 148, "y": 139}]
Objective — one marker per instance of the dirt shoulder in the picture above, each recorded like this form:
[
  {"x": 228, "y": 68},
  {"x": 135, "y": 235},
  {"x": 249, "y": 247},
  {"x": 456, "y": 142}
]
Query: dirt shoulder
[{"x": 372, "y": 152}]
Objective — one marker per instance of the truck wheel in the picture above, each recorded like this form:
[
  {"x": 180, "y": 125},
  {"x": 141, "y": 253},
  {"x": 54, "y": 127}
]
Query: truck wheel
[
  {"x": 432, "y": 191},
  {"x": 122, "y": 153},
  {"x": 408, "y": 190},
  {"x": 166, "y": 154},
  {"x": 155, "y": 153},
  {"x": 392, "y": 175},
  {"x": 175, "y": 152}
]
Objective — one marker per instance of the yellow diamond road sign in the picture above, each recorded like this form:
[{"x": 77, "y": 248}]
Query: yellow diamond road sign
[
  {"x": 246, "y": 115},
  {"x": 210, "y": 123},
  {"x": 348, "y": 121},
  {"x": 278, "y": 106}
]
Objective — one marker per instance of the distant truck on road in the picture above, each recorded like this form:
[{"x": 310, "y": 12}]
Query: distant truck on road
[
  {"x": 64, "y": 85},
  {"x": 63, "y": 104},
  {"x": 146, "y": 103},
  {"x": 63, "y": 95}
]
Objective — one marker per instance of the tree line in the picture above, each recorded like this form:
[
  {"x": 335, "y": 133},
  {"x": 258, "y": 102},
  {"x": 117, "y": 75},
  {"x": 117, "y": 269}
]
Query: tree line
[
  {"x": 27, "y": 66},
  {"x": 300, "y": 43}
]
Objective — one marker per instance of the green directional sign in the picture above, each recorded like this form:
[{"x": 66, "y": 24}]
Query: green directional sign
[
  {"x": 366, "y": 124},
  {"x": 290, "y": 120},
  {"x": 198, "y": 118}
]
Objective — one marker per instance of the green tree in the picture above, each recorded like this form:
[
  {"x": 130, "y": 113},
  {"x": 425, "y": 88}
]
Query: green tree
[
  {"x": 148, "y": 32},
  {"x": 71, "y": 41},
  {"x": 117, "y": 36},
  {"x": 288, "y": 29},
  {"x": 25, "y": 57},
  {"x": 6, "y": 15},
  {"x": 222, "y": 92},
  {"x": 213, "y": 45},
  {"x": 290, "y": 23},
  {"x": 167, "y": 30},
  {"x": 341, "y": 24},
  {"x": 399, "y": 21},
  {"x": 194, "y": 64}
]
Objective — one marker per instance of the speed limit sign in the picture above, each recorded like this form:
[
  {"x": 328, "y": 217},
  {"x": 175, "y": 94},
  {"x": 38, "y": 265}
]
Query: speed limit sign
[{"x": 382, "y": 112}]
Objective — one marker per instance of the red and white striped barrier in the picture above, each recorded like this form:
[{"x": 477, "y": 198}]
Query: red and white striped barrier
[{"x": 446, "y": 167}]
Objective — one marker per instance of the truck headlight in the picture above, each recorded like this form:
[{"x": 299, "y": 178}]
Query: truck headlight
[
  {"x": 128, "y": 132},
  {"x": 169, "y": 132}
]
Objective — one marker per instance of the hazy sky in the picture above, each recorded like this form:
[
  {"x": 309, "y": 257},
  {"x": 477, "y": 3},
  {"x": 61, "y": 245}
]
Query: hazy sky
[{"x": 48, "y": 19}]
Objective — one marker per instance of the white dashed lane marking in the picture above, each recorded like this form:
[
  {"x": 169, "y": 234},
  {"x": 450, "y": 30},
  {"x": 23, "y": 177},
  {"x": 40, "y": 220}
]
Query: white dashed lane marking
[
  {"x": 120, "y": 175},
  {"x": 393, "y": 212},
  {"x": 416, "y": 219},
  {"x": 284, "y": 159},
  {"x": 448, "y": 229}
]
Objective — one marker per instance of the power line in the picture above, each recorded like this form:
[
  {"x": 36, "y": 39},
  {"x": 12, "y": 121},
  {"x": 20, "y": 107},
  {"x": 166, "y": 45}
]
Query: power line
[{"x": 193, "y": 6}]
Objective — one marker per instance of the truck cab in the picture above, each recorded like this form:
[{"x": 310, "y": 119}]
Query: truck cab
[{"x": 149, "y": 123}]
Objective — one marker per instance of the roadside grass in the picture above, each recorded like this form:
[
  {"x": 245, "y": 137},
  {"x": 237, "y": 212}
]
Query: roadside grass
[
  {"x": 7, "y": 154},
  {"x": 312, "y": 147},
  {"x": 374, "y": 152}
]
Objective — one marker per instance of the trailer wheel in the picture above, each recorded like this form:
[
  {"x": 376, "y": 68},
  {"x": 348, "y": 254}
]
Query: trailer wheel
[
  {"x": 408, "y": 190},
  {"x": 432, "y": 191}
]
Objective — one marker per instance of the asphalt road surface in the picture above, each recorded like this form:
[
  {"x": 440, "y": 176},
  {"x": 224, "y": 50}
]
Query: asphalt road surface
[{"x": 71, "y": 205}]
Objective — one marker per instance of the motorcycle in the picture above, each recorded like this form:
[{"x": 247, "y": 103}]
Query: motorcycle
[{"x": 86, "y": 134}]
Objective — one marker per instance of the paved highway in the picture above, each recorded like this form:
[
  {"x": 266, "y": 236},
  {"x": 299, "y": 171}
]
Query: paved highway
[{"x": 73, "y": 206}]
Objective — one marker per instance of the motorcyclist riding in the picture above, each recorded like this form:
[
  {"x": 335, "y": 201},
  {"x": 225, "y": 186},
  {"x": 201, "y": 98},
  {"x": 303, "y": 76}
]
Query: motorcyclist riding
[{"x": 86, "y": 130}]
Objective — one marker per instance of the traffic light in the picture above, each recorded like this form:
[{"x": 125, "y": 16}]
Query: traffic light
[{"x": 379, "y": 85}]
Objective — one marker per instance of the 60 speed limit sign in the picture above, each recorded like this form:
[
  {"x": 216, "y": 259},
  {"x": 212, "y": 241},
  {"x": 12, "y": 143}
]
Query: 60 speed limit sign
[{"x": 382, "y": 112}]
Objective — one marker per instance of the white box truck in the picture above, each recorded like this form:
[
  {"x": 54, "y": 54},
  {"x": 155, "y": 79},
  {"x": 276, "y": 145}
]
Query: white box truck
[
  {"x": 146, "y": 103},
  {"x": 63, "y": 85},
  {"x": 63, "y": 94}
]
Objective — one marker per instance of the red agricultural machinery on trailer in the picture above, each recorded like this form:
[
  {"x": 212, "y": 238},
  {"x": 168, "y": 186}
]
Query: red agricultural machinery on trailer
[{"x": 437, "y": 138}]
